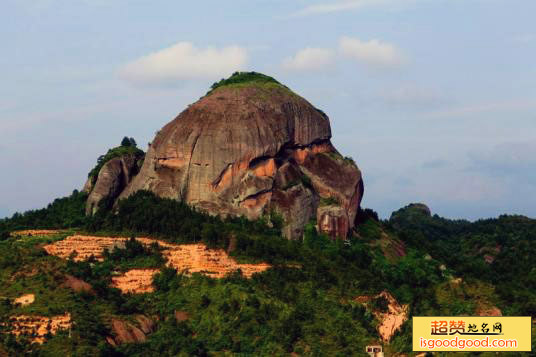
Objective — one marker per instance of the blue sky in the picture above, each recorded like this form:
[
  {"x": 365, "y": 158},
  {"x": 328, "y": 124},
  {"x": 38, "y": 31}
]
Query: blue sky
[{"x": 434, "y": 99}]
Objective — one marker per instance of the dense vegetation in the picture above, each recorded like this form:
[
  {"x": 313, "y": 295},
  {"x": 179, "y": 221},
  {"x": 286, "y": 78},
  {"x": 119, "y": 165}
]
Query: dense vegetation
[
  {"x": 239, "y": 78},
  {"x": 64, "y": 212},
  {"x": 304, "y": 304},
  {"x": 128, "y": 147},
  {"x": 498, "y": 251}
]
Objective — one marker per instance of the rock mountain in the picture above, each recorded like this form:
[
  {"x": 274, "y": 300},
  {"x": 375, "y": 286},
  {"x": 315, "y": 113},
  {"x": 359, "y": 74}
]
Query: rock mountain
[{"x": 249, "y": 147}]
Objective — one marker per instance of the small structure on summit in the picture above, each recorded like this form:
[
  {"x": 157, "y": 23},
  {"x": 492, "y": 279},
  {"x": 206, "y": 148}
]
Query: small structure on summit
[{"x": 252, "y": 147}]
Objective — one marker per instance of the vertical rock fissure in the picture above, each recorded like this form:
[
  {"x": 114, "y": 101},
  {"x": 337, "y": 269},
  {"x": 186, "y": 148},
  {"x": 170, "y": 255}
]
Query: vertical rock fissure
[{"x": 184, "y": 192}]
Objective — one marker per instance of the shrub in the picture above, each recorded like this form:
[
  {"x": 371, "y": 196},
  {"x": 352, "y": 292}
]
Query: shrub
[
  {"x": 380, "y": 304},
  {"x": 243, "y": 77},
  {"x": 119, "y": 151}
]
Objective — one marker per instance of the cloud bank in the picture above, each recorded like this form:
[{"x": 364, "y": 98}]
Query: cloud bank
[
  {"x": 328, "y": 7},
  {"x": 338, "y": 6},
  {"x": 184, "y": 61},
  {"x": 373, "y": 53},
  {"x": 309, "y": 59}
]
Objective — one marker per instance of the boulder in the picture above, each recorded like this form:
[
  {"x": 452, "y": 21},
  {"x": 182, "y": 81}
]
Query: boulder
[
  {"x": 126, "y": 332},
  {"x": 253, "y": 149},
  {"x": 77, "y": 285},
  {"x": 113, "y": 177}
]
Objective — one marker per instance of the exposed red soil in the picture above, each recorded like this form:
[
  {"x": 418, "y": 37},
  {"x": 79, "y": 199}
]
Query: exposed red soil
[
  {"x": 83, "y": 247},
  {"x": 181, "y": 316},
  {"x": 186, "y": 258},
  {"x": 24, "y": 300},
  {"x": 390, "y": 321},
  {"x": 197, "y": 258},
  {"x": 36, "y": 327},
  {"x": 135, "y": 281}
]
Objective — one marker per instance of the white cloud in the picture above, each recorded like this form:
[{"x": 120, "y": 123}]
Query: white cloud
[
  {"x": 309, "y": 59},
  {"x": 327, "y": 7},
  {"x": 337, "y": 6},
  {"x": 374, "y": 53},
  {"x": 184, "y": 61}
]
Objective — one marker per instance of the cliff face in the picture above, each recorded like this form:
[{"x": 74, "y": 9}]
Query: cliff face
[
  {"x": 113, "y": 177},
  {"x": 254, "y": 149}
]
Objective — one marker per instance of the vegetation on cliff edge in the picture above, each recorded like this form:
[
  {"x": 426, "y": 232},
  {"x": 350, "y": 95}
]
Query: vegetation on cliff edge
[{"x": 127, "y": 147}]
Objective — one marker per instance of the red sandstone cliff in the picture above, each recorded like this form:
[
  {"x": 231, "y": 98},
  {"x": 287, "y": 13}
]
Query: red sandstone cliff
[{"x": 254, "y": 149}]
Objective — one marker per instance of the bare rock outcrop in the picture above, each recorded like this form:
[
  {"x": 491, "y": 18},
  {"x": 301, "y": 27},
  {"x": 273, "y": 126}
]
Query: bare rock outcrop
[
  {"x": 113, "y": 177},
  {"x": 88, "y": 186},
  {"x": 126, "y": 332},
  {"x": 332, "y": 220},
  {"x": 390, "y": 320},
  {"x": 135, "y": 331},
  {"x": 254, "y": 148},
  {"x": 250, "y": 147},
  {"x": 77, "y": 285}
]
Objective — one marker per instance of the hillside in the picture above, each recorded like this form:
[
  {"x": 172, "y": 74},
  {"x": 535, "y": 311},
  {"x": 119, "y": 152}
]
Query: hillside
[
  {"x": 240, "y": 232},
  {"x": 317, "y": 297}
]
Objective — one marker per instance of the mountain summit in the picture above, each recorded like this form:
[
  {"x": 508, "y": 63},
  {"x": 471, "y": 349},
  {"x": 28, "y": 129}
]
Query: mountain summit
[{"x": 252, "y": 147}]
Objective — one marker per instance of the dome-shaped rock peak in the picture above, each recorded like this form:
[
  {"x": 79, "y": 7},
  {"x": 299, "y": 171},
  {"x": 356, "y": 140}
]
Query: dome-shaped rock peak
[{"x": 252, "y": 147}]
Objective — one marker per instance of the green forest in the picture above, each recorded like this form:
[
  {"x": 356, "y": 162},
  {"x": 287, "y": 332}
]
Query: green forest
[{"x": 305, "y": 304}]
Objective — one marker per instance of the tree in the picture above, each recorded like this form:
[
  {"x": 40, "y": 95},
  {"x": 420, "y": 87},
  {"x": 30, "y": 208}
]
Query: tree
[
  {"x": 126, "y": 142},
  {"x": 133, "y": 142}
]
